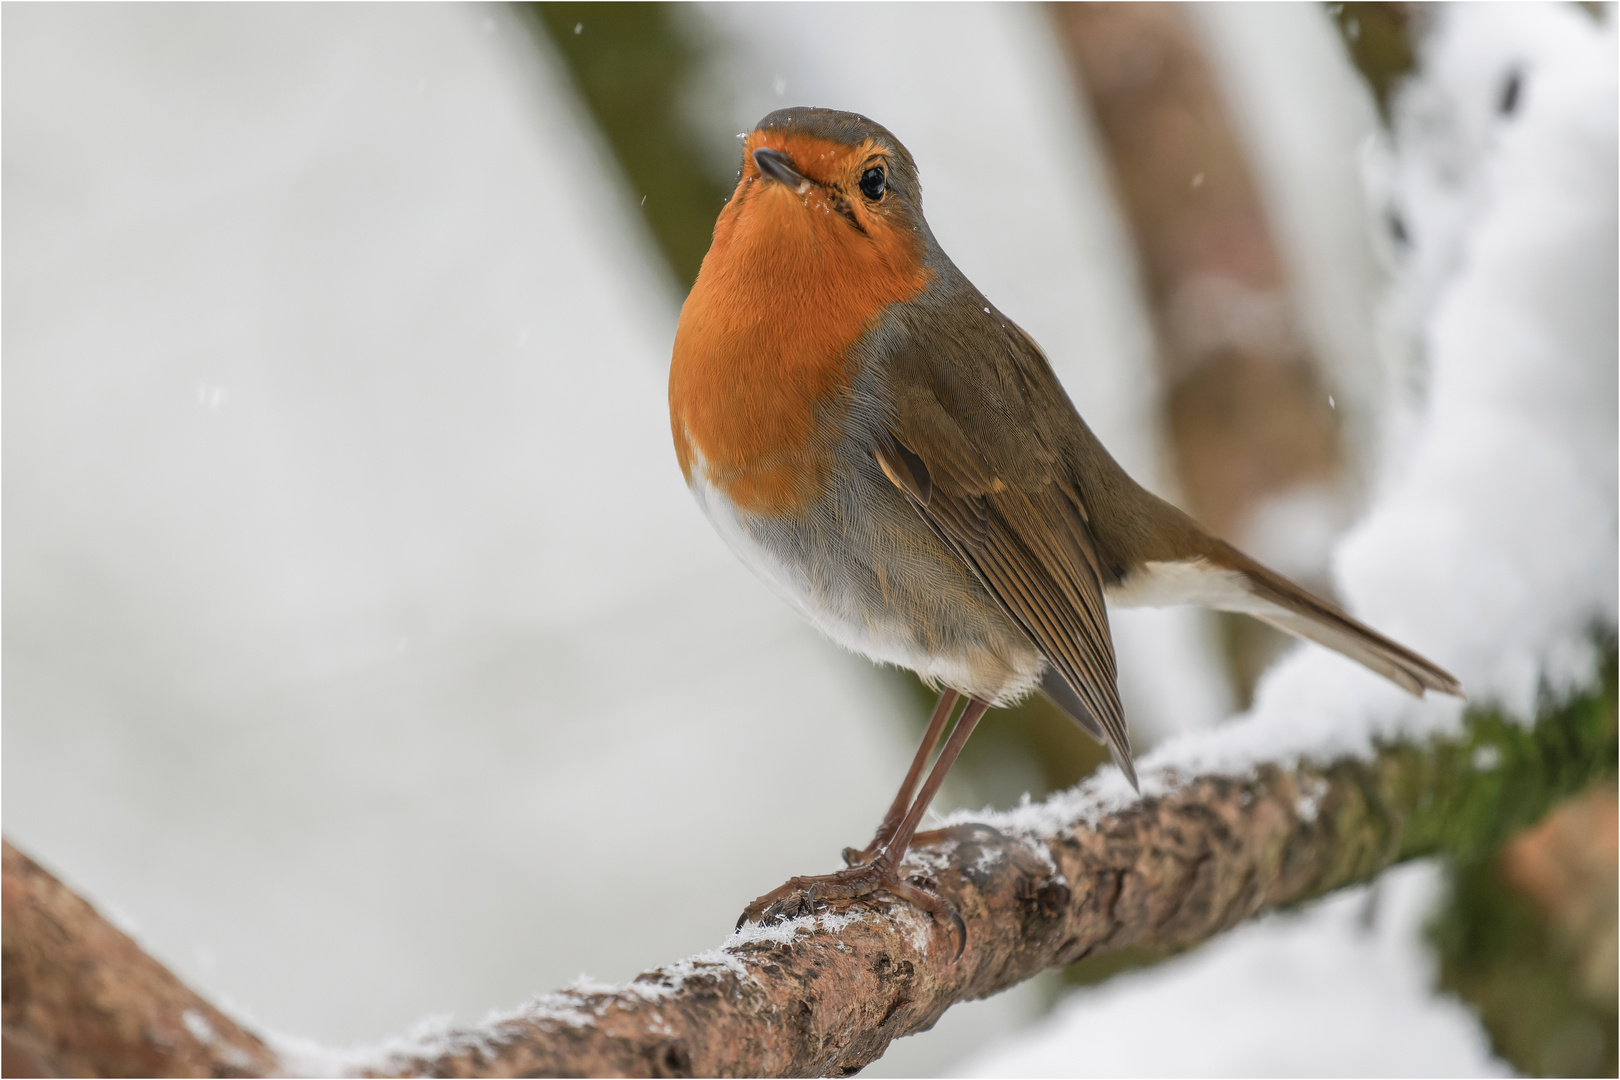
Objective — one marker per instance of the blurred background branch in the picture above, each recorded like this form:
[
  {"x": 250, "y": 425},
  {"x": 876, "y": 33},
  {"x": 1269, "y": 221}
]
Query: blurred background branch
[
  {"x": 631, "y": 63},
  {"x": 1379, "y": 38}
]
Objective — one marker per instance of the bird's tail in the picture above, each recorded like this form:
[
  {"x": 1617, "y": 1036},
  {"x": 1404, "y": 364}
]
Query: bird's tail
[{"x": 1272, "y": 598}]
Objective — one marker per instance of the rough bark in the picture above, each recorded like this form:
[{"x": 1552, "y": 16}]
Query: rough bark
[{"x": 826, "y": 996}]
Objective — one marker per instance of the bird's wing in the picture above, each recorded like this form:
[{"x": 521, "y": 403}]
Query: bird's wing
[{"x": 973, "y": 442}]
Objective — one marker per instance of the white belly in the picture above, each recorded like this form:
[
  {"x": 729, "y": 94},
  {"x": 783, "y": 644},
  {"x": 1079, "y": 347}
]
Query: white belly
[{"x": 932, "y": 617}]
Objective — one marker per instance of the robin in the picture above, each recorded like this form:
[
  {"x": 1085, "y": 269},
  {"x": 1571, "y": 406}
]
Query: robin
[{"x": 897, "y": 460}]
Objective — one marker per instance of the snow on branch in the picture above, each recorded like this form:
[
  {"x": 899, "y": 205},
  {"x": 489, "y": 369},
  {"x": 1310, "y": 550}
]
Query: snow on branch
[{"x": 826, "y": 994}]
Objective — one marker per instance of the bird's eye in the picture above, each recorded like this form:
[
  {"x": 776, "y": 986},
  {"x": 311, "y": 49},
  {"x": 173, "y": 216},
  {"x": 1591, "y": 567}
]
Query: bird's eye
[{"x": 872, "y": 184}]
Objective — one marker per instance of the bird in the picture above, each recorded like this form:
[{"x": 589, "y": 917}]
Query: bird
[{"x": 896, "y": 459}]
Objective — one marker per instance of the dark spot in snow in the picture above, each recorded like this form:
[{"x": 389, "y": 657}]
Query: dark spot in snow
[
  {"x": 1512, "y": 89},
  {"x": 1397, "y": 228}
]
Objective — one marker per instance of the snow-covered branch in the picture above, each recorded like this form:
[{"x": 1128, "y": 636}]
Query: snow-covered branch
[{"x": 1043, "y": 886}]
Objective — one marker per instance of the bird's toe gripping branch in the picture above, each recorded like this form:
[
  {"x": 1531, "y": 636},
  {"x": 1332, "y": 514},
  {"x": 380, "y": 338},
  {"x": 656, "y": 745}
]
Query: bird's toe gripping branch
[{"x": 863, "y": 883}]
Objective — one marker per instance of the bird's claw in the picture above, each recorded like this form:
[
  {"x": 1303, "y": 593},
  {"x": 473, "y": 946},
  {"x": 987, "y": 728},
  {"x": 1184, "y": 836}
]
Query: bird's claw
[
  {"x": 789, "y": 902},
  {"x": 794, "y": 904}
]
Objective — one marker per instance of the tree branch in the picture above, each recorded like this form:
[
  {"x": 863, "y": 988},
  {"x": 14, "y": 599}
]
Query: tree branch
[
  {"x": 826, "y": 995},
  {"x": 82, "y": 999}
]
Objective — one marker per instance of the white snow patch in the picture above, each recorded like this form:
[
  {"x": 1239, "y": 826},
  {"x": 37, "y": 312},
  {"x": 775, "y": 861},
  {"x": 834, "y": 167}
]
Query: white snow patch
[
  {"x": 1311, "y": 790},
  {"x": 918, "y": 926},
  {"x": 204, "y": 1032},
  {"x": 586, "y": 984},
  {"x": 198, "y": 1025},
  {"x": 785, "y": 932}
]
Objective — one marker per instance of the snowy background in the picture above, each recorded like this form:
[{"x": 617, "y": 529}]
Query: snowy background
[{"x": 365, "y": 655}]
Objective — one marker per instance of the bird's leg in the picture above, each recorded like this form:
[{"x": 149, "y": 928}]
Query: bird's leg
[
  {"x": 799, "y": 896},
  {"x": 895, "y": 850},
  {"x": 902, "y": 798}
]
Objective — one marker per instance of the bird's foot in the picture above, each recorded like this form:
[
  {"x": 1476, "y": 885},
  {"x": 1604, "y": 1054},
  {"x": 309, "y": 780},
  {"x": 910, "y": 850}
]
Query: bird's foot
[{"x": 806, "y": 895}]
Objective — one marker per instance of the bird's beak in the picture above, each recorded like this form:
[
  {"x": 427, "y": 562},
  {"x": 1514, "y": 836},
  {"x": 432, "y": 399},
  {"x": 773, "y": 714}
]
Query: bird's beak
[{"x": 779, "y": 167}]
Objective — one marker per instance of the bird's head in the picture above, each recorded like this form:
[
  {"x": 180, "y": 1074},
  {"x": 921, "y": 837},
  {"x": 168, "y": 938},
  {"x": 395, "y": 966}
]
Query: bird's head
[
  {"x": 822, "y": 191},
  {"x": 834, "y": 162}
]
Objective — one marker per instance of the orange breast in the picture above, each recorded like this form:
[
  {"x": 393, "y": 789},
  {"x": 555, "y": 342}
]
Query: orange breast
[{"x": 761, "y": 354}]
